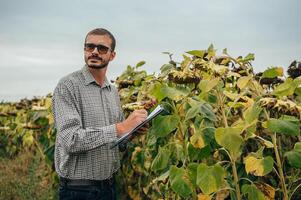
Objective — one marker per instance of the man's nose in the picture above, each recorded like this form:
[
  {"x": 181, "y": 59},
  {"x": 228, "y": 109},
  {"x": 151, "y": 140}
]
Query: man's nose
[{"x": 95, "y": 50}]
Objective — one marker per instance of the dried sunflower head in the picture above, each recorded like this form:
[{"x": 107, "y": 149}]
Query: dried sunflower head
[
  {"x": 183, "y": 77},
  {"x": 148, "y": 104},
  {"x": 294, "y": 70},
  {"x": 281, "y": 106}
]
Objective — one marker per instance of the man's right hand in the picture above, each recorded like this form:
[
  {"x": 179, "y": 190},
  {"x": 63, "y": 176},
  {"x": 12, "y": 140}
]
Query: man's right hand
[{"x": 133, "y": 120}]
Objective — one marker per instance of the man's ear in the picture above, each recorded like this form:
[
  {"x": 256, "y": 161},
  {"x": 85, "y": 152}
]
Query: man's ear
[{"x": 113, "y": 54}]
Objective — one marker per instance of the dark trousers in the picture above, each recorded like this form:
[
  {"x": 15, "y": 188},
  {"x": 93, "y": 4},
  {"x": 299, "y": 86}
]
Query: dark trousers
[{"x": 105, "y": 191}]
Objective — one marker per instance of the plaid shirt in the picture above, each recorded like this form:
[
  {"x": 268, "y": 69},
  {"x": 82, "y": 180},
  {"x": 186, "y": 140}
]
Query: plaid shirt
[{"x": 85, "y": 117}]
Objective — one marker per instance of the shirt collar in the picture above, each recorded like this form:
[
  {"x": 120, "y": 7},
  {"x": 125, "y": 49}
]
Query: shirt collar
[{"x": 90, "y": 79}]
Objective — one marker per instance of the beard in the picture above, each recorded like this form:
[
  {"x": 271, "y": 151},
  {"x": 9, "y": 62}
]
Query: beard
[{"x": 99, "y": 64}]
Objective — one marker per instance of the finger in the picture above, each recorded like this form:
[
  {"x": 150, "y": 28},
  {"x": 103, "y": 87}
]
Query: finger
[
  {"x": 143, "y": 129},
  {"x": 142, "y": 111},
  {"x": 147, "y": 125},
  {"x": 141, "y": 115},
  {"x": 138, "y": 114}
]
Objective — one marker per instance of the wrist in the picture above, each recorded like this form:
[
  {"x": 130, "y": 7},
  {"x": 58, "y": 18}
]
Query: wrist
[{"x": 120, "y": 128}]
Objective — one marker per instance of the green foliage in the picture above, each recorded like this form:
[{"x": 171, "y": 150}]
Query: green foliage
[
  {"x": 294, "y": 156},
  {"x": 286, "y": 125},
  {"x": 273, "y": 72},
  {"x": 163, "y": 125},
  {"x": 218, "y": 114},
  {"x": 28, "y": 125},
  {"x": 287, "y": 88},
  {"x": 179, "y": 181},
  {"x": 258, "y": 166},
  {"x": 210, "y": 178},
  {"x": 161, "y": 160},
  {"x": 252, "y": 192},
  {"x": 230, "y": 139}
]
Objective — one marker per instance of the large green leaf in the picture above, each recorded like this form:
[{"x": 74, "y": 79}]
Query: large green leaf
[
  {"x": 230, "y": 139},
  {"x": 155, "y": 91},
  {"x": 175, "y": 93},
  {"x": 258, "y": 166},
  {"x": 252, "y": 113},
  {"x": 163, "y": 125},
  {"x": 210, "y": 178},
  {"x": 180, "y": 183},
  {"x": 166, "y": 68},
  {"x": 200, "y": 108},
  {"x": 138, "y": 78},
  {"x": 161, "y": 160},
  {"x": 197, "y": 53},
  {"x": 252, "y": 192},
  {"x": 207, "y": 112},
  {"x": 192, "y": 172},
  {"x": 273, "y": 72},
  {"x": 178, "y": 151},
  {"x": 196, "y": 154},
  {"x": 139, "y": 64},
  {"x": 243, "y": 81},
  {"x": 294, "y": 156},
  {"x": 285, "y": 89},
  {"x": 207, "y": 85},
  {"x": 249, "y": 57},
  {"x": 249, "y": 123},
  {"x": 286, "y": 125},
  {"x": 193, "y": 110}
]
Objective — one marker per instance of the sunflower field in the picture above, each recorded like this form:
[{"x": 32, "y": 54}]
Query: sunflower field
[{"x": 227, "y": 133}]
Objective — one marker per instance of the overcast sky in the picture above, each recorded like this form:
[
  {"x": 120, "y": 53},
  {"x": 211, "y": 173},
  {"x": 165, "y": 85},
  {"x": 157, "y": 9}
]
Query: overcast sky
[{"x": 41, "y": 41}]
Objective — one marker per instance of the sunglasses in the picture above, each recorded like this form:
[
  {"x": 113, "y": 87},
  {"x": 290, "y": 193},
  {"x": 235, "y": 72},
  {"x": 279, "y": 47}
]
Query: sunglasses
[{"x": 100, "y": 48}]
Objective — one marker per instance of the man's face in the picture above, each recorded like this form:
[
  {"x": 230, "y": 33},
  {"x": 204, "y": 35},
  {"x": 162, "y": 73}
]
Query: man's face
[{"x": 98, "y": 51}]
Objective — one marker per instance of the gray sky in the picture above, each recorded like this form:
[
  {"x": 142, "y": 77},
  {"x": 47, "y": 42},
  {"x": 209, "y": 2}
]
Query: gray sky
[{"x": 41, "y": 41}]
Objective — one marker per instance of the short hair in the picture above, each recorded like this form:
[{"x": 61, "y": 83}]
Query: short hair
[{"x": 102, "y": 31}]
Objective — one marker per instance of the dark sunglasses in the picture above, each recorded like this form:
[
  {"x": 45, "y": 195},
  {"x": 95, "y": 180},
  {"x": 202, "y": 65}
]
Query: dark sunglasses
[{"x": 100, "y": 48}]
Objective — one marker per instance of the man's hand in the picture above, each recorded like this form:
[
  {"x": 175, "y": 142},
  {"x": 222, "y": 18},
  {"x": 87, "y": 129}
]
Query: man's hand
[
  {"x": 144, "y": 129},
  {"x": 133, "y": 120}
]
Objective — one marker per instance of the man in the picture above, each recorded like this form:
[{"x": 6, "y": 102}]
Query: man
[{"x": 89, "y": 119}]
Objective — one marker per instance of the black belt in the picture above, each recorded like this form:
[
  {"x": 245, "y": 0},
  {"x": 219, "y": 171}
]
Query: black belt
[{"x": 85, "y": 182}]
